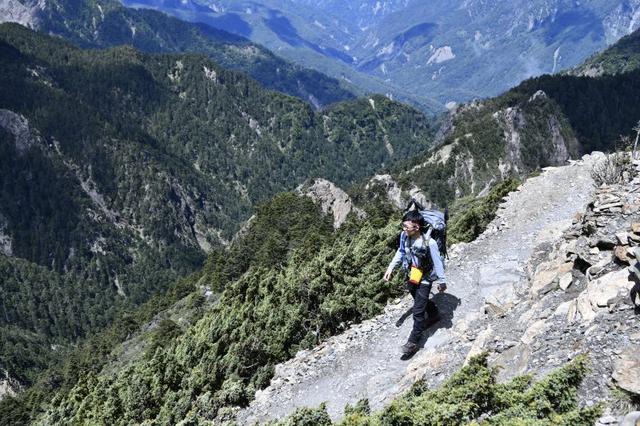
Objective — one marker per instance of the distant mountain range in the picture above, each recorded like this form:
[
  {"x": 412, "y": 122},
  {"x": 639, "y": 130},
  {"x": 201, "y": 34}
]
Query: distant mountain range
[
  {"x": 106, "y": 23},
  {"x": 542, "y": 121},
  {"x": 447, "y": 50}
]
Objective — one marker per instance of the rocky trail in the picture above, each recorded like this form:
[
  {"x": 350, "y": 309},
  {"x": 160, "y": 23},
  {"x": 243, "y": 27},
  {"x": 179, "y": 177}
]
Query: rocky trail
[{"x": 488, "y": 282}]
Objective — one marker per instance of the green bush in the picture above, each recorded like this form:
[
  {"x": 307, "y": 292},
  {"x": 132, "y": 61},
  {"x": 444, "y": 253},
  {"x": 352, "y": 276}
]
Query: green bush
[
  {"x": 473, "y": 393},
  {"x": 470, "y": 216}
]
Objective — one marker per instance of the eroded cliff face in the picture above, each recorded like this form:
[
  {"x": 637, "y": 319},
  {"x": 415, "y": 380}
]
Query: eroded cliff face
[
  {"x": 23, "y": 12},
  {"x": 489, "y": 141},
  {"x": 332, "y": 199},
  {"x": 8, "y": 386}
]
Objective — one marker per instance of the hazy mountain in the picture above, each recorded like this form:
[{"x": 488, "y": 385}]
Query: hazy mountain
[
  {"x": 450, "y": 51},
  {"x": 624, "y": 56},
  {"x": 107, "y": 23}
]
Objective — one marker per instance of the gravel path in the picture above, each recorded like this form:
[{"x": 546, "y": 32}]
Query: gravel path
[{"x": 365, "y": 362}]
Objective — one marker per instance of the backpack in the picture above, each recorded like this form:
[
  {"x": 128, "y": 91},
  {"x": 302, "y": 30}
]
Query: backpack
[{"x": 436, "y": 221}]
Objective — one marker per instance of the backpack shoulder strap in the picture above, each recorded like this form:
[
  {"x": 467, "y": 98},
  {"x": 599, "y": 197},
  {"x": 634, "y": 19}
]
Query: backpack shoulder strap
[{"x": 426, "y": 237}]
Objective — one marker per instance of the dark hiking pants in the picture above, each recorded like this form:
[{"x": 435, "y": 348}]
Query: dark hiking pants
[{"x": 423, "y": 308}]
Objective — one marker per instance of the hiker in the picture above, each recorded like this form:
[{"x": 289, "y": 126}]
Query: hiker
[{"x": 421, "y": 261}]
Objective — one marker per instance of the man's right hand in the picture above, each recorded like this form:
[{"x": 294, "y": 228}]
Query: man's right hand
[{"x": 387, "y": 276}]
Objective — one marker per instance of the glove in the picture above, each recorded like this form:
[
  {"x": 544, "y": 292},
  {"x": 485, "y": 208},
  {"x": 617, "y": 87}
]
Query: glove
[{"x": 442, "y": 287}]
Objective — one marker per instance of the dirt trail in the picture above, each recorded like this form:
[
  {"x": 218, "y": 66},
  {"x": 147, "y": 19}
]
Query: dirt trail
[{"x": 365, "y": 362}]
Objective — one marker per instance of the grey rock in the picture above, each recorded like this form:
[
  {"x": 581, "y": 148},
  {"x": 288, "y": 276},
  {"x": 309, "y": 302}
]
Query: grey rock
[
  {"x": 565, "y": 281},
  {"x": 331, "y": 199},
  {"x": 607, "y": 420},
  {"x": 631, "y": 419},
  {"x": 626, "y": 372},
  {"x": 623, "y": 238}
]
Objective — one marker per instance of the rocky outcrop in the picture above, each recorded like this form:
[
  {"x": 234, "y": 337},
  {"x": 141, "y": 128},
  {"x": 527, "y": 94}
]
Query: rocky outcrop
[
  {"x": 8, "y": 386},
  {"x": 5, "y": 239},
  {"x": 512, "y": 121},
  {"x": 386, "y": 187},
  {"x": 578, "y": 300},
  {"x": 332, "y": 200},
  {"x": 18, "y": 126},
  {"x": 22, "y": 12},
  {"x": 389, "y": 187}
]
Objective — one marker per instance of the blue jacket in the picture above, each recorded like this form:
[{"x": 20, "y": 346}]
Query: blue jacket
[{"x": 409, "y": 254}]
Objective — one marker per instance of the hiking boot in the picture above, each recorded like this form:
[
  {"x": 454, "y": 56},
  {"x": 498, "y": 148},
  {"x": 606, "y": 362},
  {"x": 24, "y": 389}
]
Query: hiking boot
[
  {"x": 409, "y": 348},
  {"x": 431, "y": 320}
]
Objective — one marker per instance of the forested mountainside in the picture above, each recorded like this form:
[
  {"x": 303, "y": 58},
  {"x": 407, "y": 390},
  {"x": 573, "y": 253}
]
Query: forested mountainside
[
  {"x": 543, "y": 121},
  {"x": 294, "y": 290},
  {"x": 121, "y": 169},
  {"x": 106, "y": 23},
  {"x": 214, "y": 145},
  {"x": 286, "y": 284},
  {"x": 619, "y": 58}
]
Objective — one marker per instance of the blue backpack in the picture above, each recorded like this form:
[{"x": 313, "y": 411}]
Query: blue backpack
[{"x": 436, "y": 221}]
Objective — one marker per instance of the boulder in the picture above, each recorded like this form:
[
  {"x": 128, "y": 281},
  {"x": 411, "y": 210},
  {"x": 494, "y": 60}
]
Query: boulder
[
  {"x": 635, "y": 227},
  {"x": 623, "y": 238},
  {"x": 563, "y": 308},
  {"x": 620, "y": 252},
  {"x": 577, "y": 218},
  {"x": 547, "y": 276},
  {"x": 602, "y": 292},
  {"x": 478, "y": 343},
  {"x": 565, "y": 281},
  {"x": 626, "y": 371},
  {"x": 534, "y": 330},
  {"x": 513, "y": 362},
  {"x": 571, "y": 248},
  {"x": 631, "y": 419}
]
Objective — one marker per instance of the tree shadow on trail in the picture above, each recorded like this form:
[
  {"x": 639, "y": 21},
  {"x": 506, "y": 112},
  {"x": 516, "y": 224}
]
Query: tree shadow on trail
[{"x": 447, "y": 304}]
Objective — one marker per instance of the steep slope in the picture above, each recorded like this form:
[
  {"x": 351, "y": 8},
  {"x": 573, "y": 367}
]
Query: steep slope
[
  {"x": 241, "y": 359},
  {"x": 294, "y": 298},
  {"x": 576, "y": 297},
  {"x": 153, "y": 161},
  {"x": 622, "y": 57},
  {"x": 365, "y": 362},
  {"x": 543, "y": 121},
  {"x": 106, "y": 23},
  {"x": 450, "y": 51}
]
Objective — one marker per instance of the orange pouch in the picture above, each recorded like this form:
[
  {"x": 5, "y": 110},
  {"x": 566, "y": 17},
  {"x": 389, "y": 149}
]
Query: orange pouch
[{"x": 415, "y": 275}]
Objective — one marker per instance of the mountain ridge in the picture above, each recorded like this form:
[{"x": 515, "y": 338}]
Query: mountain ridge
[
  {"x": 450, "y": 52},
  {"x": 107, "y": 23}
]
